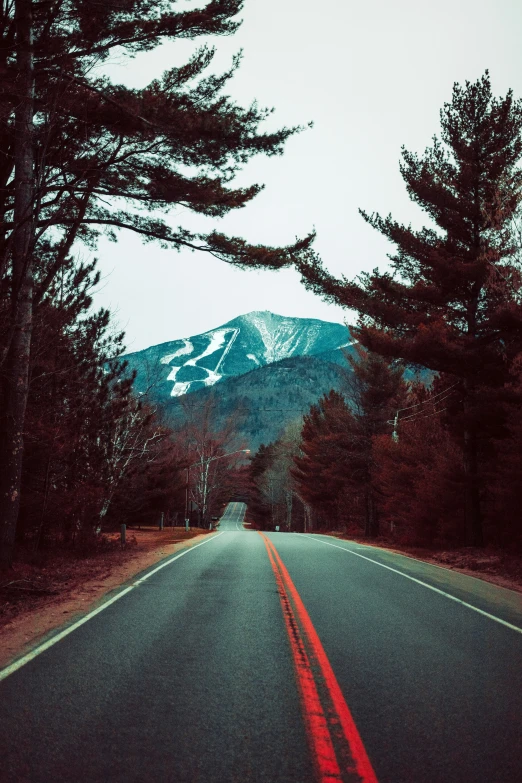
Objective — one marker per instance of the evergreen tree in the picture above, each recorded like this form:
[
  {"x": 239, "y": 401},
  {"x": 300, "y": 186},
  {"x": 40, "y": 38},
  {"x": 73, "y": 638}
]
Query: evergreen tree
[
  {"x": 81, "y": 155},
  {"x": 79, "y": 396},
  {"x": 451, "y": 301},
  {"x": 376, "y": 391},
  {"x": 336, "y": 472},
  {"x": 419, "y": 474},
  {"x": 503, "y": 499},
  {"x": 330, "y": 462}
]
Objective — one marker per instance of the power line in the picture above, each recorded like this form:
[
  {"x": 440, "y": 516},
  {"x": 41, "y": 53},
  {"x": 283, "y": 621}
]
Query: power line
[
  {"x": 444, "y": 394},
  {"x": 430, "y": 399},
  {"x": 418, "y": 414},
  {"x": 423, "y": 415}
]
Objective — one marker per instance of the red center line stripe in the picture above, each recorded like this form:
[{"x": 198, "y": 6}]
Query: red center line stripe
[
  {"x": 359, "y": 767},
  {"x": 320, "y": 741}
]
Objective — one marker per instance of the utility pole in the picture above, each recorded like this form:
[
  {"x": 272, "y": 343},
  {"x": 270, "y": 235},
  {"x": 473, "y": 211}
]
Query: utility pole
[{"x": 395, "y": 434}]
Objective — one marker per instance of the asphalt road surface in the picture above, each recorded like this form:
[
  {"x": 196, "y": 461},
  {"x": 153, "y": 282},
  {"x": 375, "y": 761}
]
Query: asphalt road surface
[
  {"x": 233, "y": 517},
  {"x": 280, "y": 658}
]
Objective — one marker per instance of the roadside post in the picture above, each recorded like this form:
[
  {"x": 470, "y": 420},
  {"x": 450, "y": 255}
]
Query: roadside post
[
  {"x": 161, "y": 521},
  {"x": 123, "y": 528},
  {"x": 187, "y": 525}
]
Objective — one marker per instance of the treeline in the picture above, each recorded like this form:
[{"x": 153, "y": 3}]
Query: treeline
[
  {"x": 82, "y": 156},
  {"x": 385, "y": 458},
  {"x": 95, "y": 454},
  {"x": 450, "y": 303},
  {"x": 261, "y": 399}
]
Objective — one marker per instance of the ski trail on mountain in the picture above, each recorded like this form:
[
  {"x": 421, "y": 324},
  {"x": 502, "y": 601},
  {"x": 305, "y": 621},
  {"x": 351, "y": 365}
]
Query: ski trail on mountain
[
  {"x": 187, "y": 348},
  {"x": 227, "y": 349},
  {"x": 246, "y": 343},
  {"x": 217, "y": 339}
]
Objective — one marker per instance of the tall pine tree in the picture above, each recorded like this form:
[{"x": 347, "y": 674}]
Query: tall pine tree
[
  {"x": 81, "y": 155},
  {"x": 451, "y": 301}
]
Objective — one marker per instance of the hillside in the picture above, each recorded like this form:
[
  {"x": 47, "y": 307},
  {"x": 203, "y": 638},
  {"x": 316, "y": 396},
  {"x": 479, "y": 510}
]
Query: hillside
[
  {"x": 264, "y": 369},
  {"x": 264, "y": 400},
  {"x": 246, "y": 343}
]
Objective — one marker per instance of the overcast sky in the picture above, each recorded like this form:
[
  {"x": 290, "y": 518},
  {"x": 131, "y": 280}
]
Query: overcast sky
[{"x": 372, "y": 75}]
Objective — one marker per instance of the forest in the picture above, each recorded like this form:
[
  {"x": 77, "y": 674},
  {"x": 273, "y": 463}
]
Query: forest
[
  {"x": 435, "y": 464},
  {"x": 84, "y": 157}
]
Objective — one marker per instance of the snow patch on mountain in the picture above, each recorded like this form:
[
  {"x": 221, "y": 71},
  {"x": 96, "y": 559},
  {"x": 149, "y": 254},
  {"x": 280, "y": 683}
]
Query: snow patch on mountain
[
  {"x": 227, "y": 349},
  {"x": 180, "y": 388},
  {"x": 280, "y": 335},
  {"x": 243, "y": 344},
  {"x": 186, "y": 348},
  {"x": 216, "y": 341}
]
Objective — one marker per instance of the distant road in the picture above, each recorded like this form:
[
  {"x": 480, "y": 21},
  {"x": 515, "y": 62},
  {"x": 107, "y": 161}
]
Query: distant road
[
  {"x": 233, "y": 517},
  {"x": 281, "y": 658}
]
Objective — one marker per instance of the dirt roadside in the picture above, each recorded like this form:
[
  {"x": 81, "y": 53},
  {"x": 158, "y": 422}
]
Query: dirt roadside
[{"x": 36, "y": 602}]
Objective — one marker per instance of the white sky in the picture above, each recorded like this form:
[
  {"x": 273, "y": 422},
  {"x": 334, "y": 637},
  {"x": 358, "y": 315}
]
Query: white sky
[{"x": 372, "y": 75}]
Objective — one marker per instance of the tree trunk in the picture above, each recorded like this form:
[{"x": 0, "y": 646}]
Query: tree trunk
[
  {"x": 371, "y": 527},
  {"x": 474, "y": 532},
  {"x": 289, "y": 504},
  {"x": 16, "y": 370},
  {"x": 367, "y": 516}
]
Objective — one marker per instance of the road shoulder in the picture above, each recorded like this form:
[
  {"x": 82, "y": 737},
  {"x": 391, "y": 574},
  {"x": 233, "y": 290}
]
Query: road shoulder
[
  {"x": 496, "y": 567},
  {"x": 483, "y": 595},
  {"x": 27, "y": 629}
]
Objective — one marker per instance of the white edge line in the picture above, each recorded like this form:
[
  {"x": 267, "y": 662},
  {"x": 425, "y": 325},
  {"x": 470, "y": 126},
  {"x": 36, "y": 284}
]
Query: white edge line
[
  {"x": 13, "y": 667},
  {"x": 242, "y": 518},
  {"x": 455, "y": 570},
  {"x": 419, "y": 582}
]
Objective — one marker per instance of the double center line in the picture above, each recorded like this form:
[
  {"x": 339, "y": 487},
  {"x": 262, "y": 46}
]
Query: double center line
[{"x": 336, "y": 747}]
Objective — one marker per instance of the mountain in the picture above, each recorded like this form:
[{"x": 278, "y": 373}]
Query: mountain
[
  {"x": 248, "y": 342},
  {"x": 263, "y": 401},
  {"x": 263, "y": 369}
]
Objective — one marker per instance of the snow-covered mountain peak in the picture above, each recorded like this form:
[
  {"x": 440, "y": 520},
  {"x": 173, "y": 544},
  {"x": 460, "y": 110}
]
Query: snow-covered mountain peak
[
  {"x": 283, "y": 337},
  {"x": 243, "y": 344}
]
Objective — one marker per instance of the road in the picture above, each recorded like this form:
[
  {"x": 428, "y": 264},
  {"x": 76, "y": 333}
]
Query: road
[
  {"x": 232, "y": 519},
  {"x": 282, "y": 658}
]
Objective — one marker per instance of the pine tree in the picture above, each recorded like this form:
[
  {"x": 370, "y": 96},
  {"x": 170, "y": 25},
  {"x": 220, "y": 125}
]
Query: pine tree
[
  {"x": 80, "y": 397},
  {"x": 81, "y": 156},
  {"x": 503, "y": 499},
  {"x": 15, "y": 355},
  {"x": 419, "y": 474},
  {"x": 451, "y": 301},
  {"x": 330, "y": 462},
  {"x": 376, "y": 391}
]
